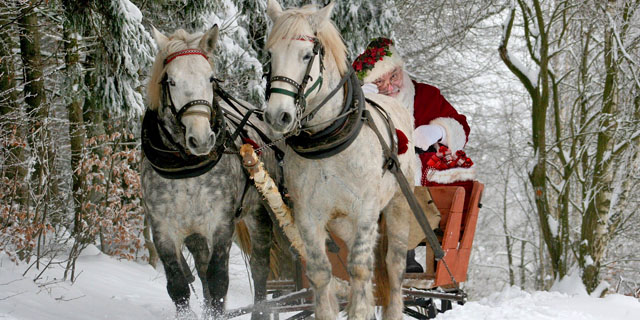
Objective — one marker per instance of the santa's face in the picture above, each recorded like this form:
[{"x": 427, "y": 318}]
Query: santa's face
[{"x": 391, "y": 82}]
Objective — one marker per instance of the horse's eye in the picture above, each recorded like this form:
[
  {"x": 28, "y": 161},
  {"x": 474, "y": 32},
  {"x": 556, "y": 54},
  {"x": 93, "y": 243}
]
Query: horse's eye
[
  {"x": 307, "y": 56},
  {"x": 211, "y": 79},
  {"x": 171, "y": 82}
]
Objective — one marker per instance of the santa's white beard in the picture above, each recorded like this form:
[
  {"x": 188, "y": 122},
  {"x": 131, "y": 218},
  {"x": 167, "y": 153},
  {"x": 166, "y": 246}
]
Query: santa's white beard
[{"x": 407, "y": 93}]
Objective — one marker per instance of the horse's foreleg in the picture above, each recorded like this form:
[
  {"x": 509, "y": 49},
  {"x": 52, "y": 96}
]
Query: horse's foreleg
[
  {"x": 197, "y": 245},
  {"x": 218, "y": 270},
  {"x": 360, "y": 267},
  {"x": 319, "y": 269},
  {"x": 397, "y": 228},
  {"x": 177, "y": 283},
  {"x": 260, "y": 247}
]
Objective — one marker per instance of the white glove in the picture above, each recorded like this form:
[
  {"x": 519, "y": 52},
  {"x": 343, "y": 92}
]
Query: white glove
[
  {"x": 427, "y": 135},
  {"x": 369, "y": 88}
]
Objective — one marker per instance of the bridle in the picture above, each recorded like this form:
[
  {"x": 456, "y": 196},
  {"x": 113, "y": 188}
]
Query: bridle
[
  {"x": 214, "y": 113},
  {"x": 185, "y": 110},
  {"x": 300, "y": 96}
]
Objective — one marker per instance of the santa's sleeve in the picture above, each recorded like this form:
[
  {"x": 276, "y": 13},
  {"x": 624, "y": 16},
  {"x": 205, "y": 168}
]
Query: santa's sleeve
[{"x": 433, "y": 108}]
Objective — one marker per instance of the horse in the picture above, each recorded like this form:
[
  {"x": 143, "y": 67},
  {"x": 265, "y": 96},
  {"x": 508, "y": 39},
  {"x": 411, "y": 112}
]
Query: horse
[
  {"x": 334, "y": 165},
  {"x": 194, "y": 188}
]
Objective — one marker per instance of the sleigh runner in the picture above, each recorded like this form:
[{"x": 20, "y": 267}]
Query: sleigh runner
[{"x": 440, "y": 279}]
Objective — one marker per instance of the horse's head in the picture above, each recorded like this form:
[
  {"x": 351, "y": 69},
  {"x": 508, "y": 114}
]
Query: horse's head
[
  {"x": 297, "y": 44},
  {"x": 181, "y": 87}
]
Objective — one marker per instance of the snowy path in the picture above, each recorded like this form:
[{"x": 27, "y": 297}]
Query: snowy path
[{"x": 112, "y": 289}]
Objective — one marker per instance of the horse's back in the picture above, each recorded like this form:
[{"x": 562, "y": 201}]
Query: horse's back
[{"x": 400, "y": 115}]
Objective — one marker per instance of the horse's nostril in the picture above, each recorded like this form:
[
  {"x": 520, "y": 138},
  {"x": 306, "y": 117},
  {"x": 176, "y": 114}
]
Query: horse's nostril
[
  {"x": 192, "y": 142},
  {"x": 285, "y": 118}
]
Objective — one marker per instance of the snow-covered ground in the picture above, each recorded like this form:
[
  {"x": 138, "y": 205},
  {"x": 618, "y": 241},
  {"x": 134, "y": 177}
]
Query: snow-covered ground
[{"x": 108, "y": 288}]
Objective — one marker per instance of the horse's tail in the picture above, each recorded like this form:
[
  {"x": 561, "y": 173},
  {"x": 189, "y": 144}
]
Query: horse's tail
[
  {"x": 380, "y": 272},
  {"x": 244, "y": 238},
  {"x": 244, "y": 241}
]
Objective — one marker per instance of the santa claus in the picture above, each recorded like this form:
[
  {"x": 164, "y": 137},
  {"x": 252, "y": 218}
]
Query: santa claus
[{"x": 436, "y": 122}]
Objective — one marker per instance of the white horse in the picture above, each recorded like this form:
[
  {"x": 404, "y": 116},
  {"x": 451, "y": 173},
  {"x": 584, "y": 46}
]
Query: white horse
[{"x": 345, "y": 192}]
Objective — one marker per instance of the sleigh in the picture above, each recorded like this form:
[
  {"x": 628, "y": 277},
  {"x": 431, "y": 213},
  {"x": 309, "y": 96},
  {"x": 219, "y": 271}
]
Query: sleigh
[{"x": 440, "y": 280}]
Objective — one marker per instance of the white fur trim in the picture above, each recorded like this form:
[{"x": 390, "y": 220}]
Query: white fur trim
[
  {"x": 407, "y": 93},
  {"x": 387, "y": 64},
  {"x": 455, "y": 138},
  {"x": 451, "y": 175}
]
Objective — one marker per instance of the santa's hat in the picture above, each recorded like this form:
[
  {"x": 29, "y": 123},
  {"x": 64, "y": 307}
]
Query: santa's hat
[{"x": 379, "y": 58}]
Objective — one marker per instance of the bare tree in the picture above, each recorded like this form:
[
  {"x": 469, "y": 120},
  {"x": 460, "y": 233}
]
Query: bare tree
[{"x": 579, "y": 135}]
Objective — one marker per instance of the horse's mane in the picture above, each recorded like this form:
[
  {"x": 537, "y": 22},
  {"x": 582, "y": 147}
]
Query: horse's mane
[
  {"x": 288, "y": 25},
  {"x": 179, "y": 40}
]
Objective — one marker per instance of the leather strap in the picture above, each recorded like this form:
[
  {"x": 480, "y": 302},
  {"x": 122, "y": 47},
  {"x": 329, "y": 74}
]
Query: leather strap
[{"x": 393, "y": 165}]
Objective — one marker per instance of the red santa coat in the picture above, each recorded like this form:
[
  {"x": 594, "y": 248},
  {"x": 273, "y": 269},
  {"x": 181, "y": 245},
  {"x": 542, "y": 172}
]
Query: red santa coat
[{"x": 430, "y": 107}]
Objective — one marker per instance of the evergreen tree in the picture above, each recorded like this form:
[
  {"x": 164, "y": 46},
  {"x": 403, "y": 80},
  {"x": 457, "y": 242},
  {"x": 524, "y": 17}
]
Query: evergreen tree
[
  {"x": 124, "y": 54},
  {"x": 358, "y": 20}
]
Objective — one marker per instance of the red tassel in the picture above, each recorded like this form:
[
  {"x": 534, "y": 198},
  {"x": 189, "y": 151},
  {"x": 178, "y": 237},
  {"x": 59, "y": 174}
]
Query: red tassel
[{"x": 402, "y": 142}]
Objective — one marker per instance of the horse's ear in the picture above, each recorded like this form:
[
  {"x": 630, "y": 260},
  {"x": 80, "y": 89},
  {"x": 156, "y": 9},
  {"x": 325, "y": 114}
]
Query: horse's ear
[
  {"x": 274, "y": 10},
  {"x": 161, "y": 39},
  {"x": 209, "y": 39},
  {"x": 321, "y": 16}
]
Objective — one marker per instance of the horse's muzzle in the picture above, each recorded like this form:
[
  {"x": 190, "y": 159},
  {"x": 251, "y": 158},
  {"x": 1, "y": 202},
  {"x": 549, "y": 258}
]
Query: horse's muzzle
[{"x": 279, "y": 121}]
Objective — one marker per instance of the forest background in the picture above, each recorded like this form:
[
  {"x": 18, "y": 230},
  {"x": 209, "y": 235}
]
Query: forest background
[{"x": 551, "y": 90}]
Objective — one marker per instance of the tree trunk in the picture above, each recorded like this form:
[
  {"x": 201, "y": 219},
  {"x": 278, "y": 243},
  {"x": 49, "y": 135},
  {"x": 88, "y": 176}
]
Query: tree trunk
[
  {"x": 10, "y": 112},
  {"x": 37, "y": 109},
  {"x": 539, "y": 93},
  {"x": 505, "y": 227},
  {"x": 594, "y": 232},
  {"x": 93, "y": 108},
  {"x": 74, "y": 111}
]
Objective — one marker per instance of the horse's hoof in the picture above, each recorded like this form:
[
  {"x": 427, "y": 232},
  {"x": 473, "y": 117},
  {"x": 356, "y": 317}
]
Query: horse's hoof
[
  {"x": 213, "y": 314},
  {"x": 185, "y": 314}
]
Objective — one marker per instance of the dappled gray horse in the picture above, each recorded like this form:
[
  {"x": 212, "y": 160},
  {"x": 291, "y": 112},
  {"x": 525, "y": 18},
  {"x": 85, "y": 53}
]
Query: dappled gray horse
[{"x": 194, "y": 192}]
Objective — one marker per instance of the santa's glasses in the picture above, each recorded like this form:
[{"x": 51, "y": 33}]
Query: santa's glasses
[{"x": 390, "y": 83}]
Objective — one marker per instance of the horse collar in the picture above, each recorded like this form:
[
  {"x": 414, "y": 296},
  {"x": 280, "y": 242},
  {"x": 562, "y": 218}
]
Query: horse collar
[
  {"x": 341, "y": 133},
  {"x": 170, "y": 160}
]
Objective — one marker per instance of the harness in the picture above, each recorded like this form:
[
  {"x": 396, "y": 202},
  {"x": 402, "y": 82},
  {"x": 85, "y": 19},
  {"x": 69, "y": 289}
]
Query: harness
[
  {"x": 343, "y": 129},
  {"x": 170, "y": 160},
  {"x": 168, "y": 157},
  {"x": 334, "y": 138},
  {"x": 301, "y": 95},
  {"x": 168, "y": 101}
]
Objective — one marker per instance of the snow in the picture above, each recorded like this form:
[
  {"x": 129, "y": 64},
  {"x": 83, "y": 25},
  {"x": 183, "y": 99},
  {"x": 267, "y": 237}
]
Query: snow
[
  {"x": 570, "y": 284},
  {"x": 553, "y": 225},
  {"x": 107, "y": 288},
  {"x": 531, "y": 74},
  {"x": 131, "y": 11},
  {"x": 513, "y": 303}
]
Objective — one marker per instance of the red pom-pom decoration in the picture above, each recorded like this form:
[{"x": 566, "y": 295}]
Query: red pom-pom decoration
[{"x": 402, "y": 142}]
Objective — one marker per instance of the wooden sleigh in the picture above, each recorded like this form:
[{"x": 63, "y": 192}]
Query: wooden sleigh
[
  {"x": 459, "y": 216},
  {"x": 440, "y": 279}
]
